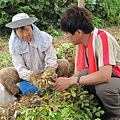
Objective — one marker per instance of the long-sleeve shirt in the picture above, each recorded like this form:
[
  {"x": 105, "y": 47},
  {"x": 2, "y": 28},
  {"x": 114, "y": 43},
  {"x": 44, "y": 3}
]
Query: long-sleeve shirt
[{"x": 34, "y": 61}]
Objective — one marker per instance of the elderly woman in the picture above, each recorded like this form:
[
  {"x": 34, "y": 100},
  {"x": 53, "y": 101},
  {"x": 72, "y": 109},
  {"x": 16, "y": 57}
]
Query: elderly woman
[{"x": 32, "y": 52}]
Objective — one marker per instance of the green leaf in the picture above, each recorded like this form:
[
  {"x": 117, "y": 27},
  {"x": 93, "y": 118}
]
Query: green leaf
[
  {"x": 94, "y": 109},
  {"x": 73, "y": 93},
  {"x": 47, "y": 3},
  {"x": 65, "y": 112}
]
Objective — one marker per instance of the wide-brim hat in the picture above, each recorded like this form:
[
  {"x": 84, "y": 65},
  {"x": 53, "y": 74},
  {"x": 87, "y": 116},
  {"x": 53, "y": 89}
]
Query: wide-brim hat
[{"x": 21, "y": 19}]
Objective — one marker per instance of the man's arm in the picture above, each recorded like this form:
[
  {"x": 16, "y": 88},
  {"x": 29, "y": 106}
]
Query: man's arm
[{"x": 101, "y": 76}]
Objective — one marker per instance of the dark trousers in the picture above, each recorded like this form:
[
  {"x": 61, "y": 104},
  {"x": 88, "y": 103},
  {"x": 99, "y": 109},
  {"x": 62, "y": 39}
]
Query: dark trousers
[{"x": 108, "y": 94}]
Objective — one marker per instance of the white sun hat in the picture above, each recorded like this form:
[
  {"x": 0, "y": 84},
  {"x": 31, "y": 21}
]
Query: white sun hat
[{"x": 21, "y": 19}]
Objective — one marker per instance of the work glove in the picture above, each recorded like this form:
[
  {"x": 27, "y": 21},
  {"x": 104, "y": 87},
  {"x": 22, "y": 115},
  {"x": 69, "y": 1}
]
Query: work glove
[{"x": 44, "y": 80}]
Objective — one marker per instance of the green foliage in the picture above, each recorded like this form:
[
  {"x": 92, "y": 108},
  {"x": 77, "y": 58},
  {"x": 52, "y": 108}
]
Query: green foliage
[
  {"x": 112, "y": 10},
  {"x": 98, "y": 22},
  {"x": 5, "y": 60},
  {"x": 53, "y": 31},
  {"x": 105, "y": 12},
  {"x": 72, "y": 104},
  {"x": 4, "y": 38},
  {"x": 47, "y": 11},
  {"x": 65, "y": 51}
]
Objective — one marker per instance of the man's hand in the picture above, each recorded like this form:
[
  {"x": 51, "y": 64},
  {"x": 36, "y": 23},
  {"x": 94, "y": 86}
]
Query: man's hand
[{"x": 62, "y": 83}]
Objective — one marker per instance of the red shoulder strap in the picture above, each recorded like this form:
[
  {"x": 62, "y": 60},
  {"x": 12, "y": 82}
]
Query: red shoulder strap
[{"x": 104, "y": 39}]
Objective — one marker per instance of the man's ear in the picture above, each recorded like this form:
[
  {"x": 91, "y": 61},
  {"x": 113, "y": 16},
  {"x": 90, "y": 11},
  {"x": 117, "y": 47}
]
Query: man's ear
[{"x": 79, "y": 32}]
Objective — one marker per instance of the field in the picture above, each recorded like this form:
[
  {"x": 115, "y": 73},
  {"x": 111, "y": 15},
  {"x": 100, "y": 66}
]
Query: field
[{"x": 57, "y": 42}]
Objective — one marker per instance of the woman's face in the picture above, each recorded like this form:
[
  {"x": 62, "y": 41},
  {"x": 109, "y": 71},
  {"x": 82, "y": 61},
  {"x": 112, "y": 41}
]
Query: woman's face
[{"x": 24, "y": 33}]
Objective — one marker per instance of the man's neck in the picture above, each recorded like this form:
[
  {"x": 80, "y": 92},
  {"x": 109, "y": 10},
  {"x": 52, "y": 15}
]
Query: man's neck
[{"x": 85, "y": 39}]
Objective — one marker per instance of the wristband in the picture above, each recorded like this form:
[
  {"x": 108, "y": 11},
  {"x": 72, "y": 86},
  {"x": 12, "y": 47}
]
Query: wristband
[{"x": 78, "y": 80}]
